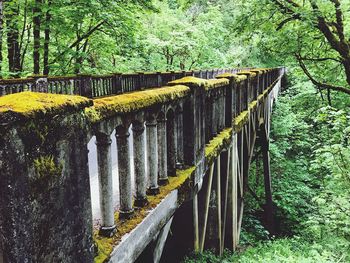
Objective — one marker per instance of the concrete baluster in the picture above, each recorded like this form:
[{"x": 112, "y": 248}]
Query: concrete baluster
[
  {"x": 104, "y": 161},
  {"x": 140, "y": 164},
  {"x": 171, "y": 143},
  {"x": 152, "y": 156},
  {"x": 214, "y": 115},
  {"x": 125, "y": 191},
  {"x": 222, "y": 110},
  {"x": 162, "y": 151},
  {"x": 180, "y": 139}
]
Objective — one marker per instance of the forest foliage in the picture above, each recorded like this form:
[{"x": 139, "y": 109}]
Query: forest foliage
[{"x": 310, "y": 149}]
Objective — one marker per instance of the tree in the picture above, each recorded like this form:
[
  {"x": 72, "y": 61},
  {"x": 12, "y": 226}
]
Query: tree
[
  {"x": 1, "y": 32},
  {"x": 36, "y": 35},
  {"x": 13, "y": 45}
]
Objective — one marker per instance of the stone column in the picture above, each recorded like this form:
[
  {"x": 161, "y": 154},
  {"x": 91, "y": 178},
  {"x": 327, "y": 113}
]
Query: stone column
[
  {"x": 215, "y": 120},
  {"x": 152, "y": 156},
  {"x": 222, "y": 109},
  {"x": 125, "y": 191},
  {"x": 139, "y": 164},
  {"x": 104, "y": 161},
  {"x": 171, "y": 145},
  {"x": 180, "y": 140},
  {"x": 162, "y": 151}
]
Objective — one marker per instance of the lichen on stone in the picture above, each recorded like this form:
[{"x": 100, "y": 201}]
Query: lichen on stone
[
  {"x": 133, "y": 101},
  {"x": 30, "y": 105}
]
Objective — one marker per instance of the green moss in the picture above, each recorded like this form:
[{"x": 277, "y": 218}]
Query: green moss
[
  {"x": 216, "y": 83},
  {"x": 193, "y": 81},
  {"x": 29, "y": 105},
  {"x": 133, "y": 101},
  {"x": 240, "y": 121},
  {"x": 47, "y": 172},
  {"x": 46, "y": 166},
  {"x": 258, "y": 71},
  {"x": 105, "y": 245},
  {"x": 217, "y": 144},
  {"x": 261, "y": 97},
  {"x": 253, "y": 105},
  {"x": 203, "y": 83},
  {"x": 236, "y": 78},
  {"x": 247, "y": 73}
]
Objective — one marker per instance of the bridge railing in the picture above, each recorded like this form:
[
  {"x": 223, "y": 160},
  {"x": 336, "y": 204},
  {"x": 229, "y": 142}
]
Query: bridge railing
[
  {"x": 44, "y": 159},
  {"x": 93, "y": 86}
]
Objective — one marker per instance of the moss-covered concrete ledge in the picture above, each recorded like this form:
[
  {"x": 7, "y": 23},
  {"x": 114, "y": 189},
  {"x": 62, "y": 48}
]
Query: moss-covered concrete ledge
[
  {"x": 134, "y": 101},
  {"x": 223, "y": 139},
  {"x": 217, "y": 144},
  {"x": 247, "y": 73},
  {"x": 267, "y": 91},
  {"x": 207, "y": 84},
  {"x": 182, "y": 183},
  {"x": 234, "y": 77},
  {"x": 32, "y": 105}
]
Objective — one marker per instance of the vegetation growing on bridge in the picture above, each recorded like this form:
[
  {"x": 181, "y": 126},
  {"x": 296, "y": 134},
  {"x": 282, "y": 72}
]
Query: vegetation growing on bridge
[
  {"x": 134, "y": 101},
  {"x": 235, "y": 77},
  {"x": 180, "y": 183},
  {"x": 197, "y": 82},
  {"x": 29, "y": 105}
]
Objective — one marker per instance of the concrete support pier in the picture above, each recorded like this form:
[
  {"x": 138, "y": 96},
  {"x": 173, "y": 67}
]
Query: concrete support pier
[
  {"x": 139, "y": 164},
  {"x": 104, "y": 161},
  {"x": 125, "y": 190}
]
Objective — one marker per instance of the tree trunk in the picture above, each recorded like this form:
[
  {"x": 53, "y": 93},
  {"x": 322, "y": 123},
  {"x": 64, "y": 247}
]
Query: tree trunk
[
  {"x": 1, "y": 34},
  {"x": 36, "y": 35},
  {"x": 14, "y": 56},
  {"x": 346, "y": 65},
  {"x": 47, "y": 39}
]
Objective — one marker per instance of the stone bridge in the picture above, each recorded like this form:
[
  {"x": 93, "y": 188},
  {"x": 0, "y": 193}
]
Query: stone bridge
[{"x": 192, "y": 138}]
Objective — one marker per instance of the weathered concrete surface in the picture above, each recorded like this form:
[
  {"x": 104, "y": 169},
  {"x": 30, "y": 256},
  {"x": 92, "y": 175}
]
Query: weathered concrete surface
[
  {"x": 162, "y": 237},
  {"x": 44, "y": 191},
  {"x": 125, "y": 190},
  {"x": 140, "y": 164},
  {"x": 144, "y": 233},
  {"x": 104, "y": 161}
]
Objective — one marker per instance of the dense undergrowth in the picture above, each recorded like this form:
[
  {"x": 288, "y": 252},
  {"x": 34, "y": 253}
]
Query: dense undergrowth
[{"x": 310, "y": 162}]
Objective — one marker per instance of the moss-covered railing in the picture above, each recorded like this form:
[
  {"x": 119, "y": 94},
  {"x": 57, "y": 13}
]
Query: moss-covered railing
[
  {"x": 93, "y": 86},
  {"x": 178, "y": 130}
]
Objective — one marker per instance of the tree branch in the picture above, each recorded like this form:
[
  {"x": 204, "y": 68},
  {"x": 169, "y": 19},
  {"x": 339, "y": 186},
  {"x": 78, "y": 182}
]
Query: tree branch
[
  {"x": 340, "y": 23},
  {"x": 321, "y": 59},
  {"x": 317, "y": 83},
  {"x": 285, "y": 21},
  {"x": 79, "y": 39}
]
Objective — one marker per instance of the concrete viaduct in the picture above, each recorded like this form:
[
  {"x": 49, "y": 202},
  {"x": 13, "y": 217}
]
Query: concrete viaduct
[{"x": 193, "y": 136}]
